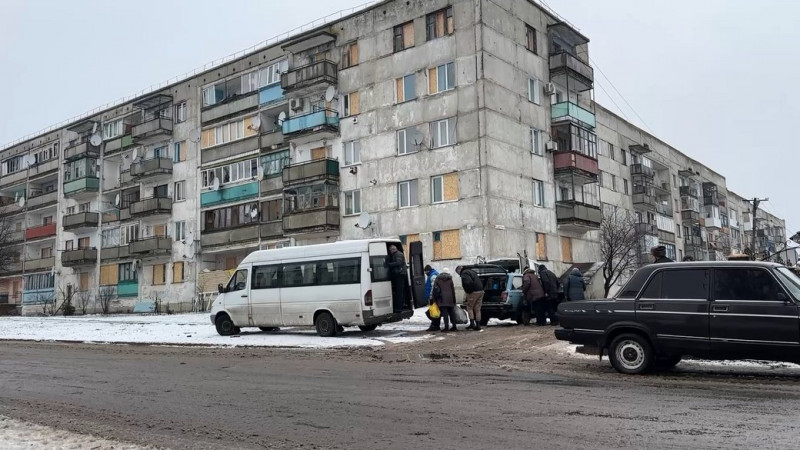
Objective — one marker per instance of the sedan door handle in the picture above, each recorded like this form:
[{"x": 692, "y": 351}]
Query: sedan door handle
[
  {"x": 646, "y": 306},
  {"x": 719, "y": 308}
]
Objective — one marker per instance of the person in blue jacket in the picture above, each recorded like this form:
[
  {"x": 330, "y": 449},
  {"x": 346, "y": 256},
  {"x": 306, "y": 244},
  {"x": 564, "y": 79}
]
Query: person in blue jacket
[{"x": 430, "y": 277}]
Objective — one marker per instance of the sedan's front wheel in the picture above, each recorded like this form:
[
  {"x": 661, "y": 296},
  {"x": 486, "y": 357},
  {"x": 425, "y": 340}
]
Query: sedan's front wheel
[{"x": 630, "y": 354}]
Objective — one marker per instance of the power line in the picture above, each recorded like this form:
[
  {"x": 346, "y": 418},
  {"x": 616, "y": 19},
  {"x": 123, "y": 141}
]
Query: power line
[
  {"x": 594, "y": 63},
  {"x": 622, "y": 111}
]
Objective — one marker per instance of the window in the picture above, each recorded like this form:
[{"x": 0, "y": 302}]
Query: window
[
  {"x": 274, "y": 163},
  {"x": 299, "y": 274},
  {"x": 351, "y": 107},
  {"x": 745, "y": 284},
  {"x": 128, "y": 234},
  {"x": 409, "y": 140},
  {"x": 47, "y": 220},
  {"x": 180, "y": 230},
  {"x": 538, "y": 193},
  {"x": 534, "y": 91},
  {"x": 441, "y": 78},
  {"x": 405, "y": 88},
  {"x": 403, "y": 36},
  {"x": 228, "y": 132},
  {"x": 112, "y": 129},
  {"x": 127, "y": 272},
  {"x": 39, "y": 281},
  {"x": 70, "y": 210},
  {"x": 536, "y": 141},
  {"x": 443, "y": 132},
  {"x": 625, "y": 186},
  {"x": 352, "y": 153},
  {"x": 12, "y": 165},
  {"x": 179, "y": 192},
  {"x": 266, "y": 277},
  {"x": 611, "y": 154},
  {"x": 230, "y": 88},
  {"x": 231, "y": 173},
  {"x": 623, "y": 156},
  {"x": 159, "y": 274},
  {"x": 350, "y": 55},
  {"x": 614, "y": 183},
  {"x": 530, "y": 40},
  {"x": 161, "y": 191},
  {"x": 178, "y": 275},
  {"x": 161, "y": 152},
  {"x": 272, "y": 210},
  {"x": 180, "y": 112},
  {"x": 439, "y": 23},
  {"x": 271, "y": 74},
  {"x": 444, "y": 188},
  {"x": 682, "y": 284},
  {"x": 231, "y": 216},
  {"x": 352, "y": 202},
  {"x": 83, "y": 243},
  {"x": 340, "y": 271},
  {"x": 407, "y": 194},
  {"x": 238, "y": 281},
  {"x": 179, "y": 153},
  {"x": 47, "y": 252},
  {"x": 446, "y": 244}
]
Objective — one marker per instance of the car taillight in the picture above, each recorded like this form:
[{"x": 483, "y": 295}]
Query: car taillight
[
  {"x": 504, "y": 296},
  {"x": 368, "y": 298}
]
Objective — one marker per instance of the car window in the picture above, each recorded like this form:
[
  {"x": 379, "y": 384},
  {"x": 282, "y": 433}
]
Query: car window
[
  {"x": 516, "y": 283},
  {"x": 379, "y": 271},
  {"x": 238, "y": 281},
  {"x": 299, "y": 274},
  {"x": 265, "y": 277},
  {"x": 745, "y": 284},
  {"x": 679, "y": 284},
  {"x": 790, "y": 280},
  {"x": 634, "y": 285}
]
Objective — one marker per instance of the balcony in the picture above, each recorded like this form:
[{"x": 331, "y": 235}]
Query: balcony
[
  {"x": 81, "y": 149},
  {"x": 664, "y": 209},
  {"x": 692, "y": 241},
  {"x": 117, "y": 144},
  {"x": 645, "y": 200},
  {"x": 576, "y": 163},
  {"x": 125, "y": 178},
  {"x": 578, "y": 217},
  {"x": 711, "y": 199},
  {"x": 231, "y": 106},
  {"x": 80, "y": 257},
  {"x": 15, "y": 236},
  {"x": 44, "y": 167},
  {"x": 688, "y": 191},
  {"x": 151, "y": 206},
  {"x": 639, "y": 169},
  {"x": 690, "y": 204},
  {"x": 272, "y": 230},
  {"x": 33, "y": 265},
  {"x": 14, "y": 268},
  {"x": 312, "y": 221},
  {"x": 322, "y": 124},
  {"x": 690, "y": 216},
  {"x": 647, "y": 229},
  {"x": 41, "y": 231},
  {"x": 42, "y": 200},
  {"x": 570, "y": 71},
  {"x": 128, "y": 288},
  {"x": 666, "y": 236},
  {"x": 157, "y": 245},
  {"x": 114, "y": 253},
  {"x": 38, "y": 296},
  {"x": 239, "y": 235},
  {"x": 320, "y": 72},
  {"x": 319, "y": 169},
  {"x": 153, "y": 167},
  {"x": 229, "y": 194},
  {"x": 81, "y": 221},
  {"x": 712, "y": 222},
  {"x": 81, "y": 185},
  {"x": 572, "y": 112},
  {"x": 153, "y": 130},
  {"x": 270, "y": 94},
  {"x": 231, "y": 149}
]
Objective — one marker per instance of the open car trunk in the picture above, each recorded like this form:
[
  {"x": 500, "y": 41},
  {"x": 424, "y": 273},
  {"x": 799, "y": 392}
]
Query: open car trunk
[{"x": 494, "y": 278}]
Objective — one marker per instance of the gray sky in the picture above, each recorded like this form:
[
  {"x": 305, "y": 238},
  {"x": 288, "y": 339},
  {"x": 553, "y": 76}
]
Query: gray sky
[{"x": 711, "y": 78}]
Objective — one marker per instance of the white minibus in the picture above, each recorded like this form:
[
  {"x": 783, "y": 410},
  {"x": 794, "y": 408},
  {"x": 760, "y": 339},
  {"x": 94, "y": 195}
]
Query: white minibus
[{"x": 328, "y": 286}]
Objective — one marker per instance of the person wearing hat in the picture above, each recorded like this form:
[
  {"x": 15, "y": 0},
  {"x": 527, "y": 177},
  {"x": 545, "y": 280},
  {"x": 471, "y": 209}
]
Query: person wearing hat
[
  {"x": 660, "y": 255},
  {"x": 430, "y": 278},
  {"x": 444, "y": 294}
]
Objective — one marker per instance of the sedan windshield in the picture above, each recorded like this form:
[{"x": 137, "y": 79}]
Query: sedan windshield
[{"x": 790, "y": 280}]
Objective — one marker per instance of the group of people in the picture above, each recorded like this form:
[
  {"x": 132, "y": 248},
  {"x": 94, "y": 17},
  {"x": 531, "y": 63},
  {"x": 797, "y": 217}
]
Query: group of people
[
  {"x": 543, "y": 292},
  {"x": 439, "y": 289}
]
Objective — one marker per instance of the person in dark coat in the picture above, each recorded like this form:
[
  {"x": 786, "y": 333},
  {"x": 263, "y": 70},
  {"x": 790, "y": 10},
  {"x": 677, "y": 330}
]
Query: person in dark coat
[
  {"x": 396, "y": 262},
  {"x": 430, "y": 277},
  {"x": 532, "y": 293},
  {"x": 444, "y": 294},
  {"x": 660, "y": 255},
  {"x": 550, "y": 285},
  {"x": 575, "y": 287},
  {"x": 473, "y": 287}
]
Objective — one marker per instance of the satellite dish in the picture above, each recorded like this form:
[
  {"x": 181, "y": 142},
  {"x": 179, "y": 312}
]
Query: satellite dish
[
  {"x": 215, "y": 184},
  {"x": 256, "y": 123},
  {"x": 95, "y": 139},
  {"x": 135, "y": 153},
  {"x": 253, "y": 212},
  {"x": 195, "y": 136},
  {"x": 26, "y": 161},
  {"x": 116, "y": 200},
  {"x": 21, "y": 202},
  {"x": 364, "y": 220},
  {"x": 260, "y": 172},
  {"x": 330, "y": 94},
  {"x": 281, "y": 117}
]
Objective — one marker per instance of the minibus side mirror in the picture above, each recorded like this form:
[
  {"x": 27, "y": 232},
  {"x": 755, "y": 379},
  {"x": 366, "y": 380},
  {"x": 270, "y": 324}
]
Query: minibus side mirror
[{"x": 220, "y": 288}]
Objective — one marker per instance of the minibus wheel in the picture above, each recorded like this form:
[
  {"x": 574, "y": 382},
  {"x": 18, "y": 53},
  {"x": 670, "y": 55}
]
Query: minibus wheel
[
  {"x": 225, "y": 326},
  {"x": 325, "y": 324}
]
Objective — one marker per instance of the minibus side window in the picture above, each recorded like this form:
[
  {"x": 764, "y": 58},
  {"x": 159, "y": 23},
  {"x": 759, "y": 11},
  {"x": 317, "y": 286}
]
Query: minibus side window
[
  {"x": 379, "y": 271},
  {"x": 265, "y": 277},
  {"x": 238, "y": 281}
]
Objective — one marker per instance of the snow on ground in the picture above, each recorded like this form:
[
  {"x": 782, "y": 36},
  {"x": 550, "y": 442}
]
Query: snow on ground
[
  {"x": 196, "y": 329},
  {"x": 17, "y": 435}
]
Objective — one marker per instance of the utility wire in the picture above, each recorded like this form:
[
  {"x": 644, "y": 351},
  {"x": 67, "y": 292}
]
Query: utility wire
[
  {"x": 622, "y": 111},
  {"x": 594, "y": 63}
]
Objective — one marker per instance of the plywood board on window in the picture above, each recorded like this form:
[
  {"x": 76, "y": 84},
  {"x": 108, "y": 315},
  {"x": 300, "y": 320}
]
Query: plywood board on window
[
  {"x": 566, "y": 249},
  {"x": 109, "y": 274},
  {"x": 207, "y": 138},
  {"x": 541, "y": 246},
  {"x": 433, "y": 80},
  {"x": 318, "y": 153},
  {"x": 249, "y": 129},
  {"x": 83, "y": 281},
  {"x": 354, "y": 106},
  {"x": 408, "y": 35},
  {"x": 451, "y": 186},
  {"x": 177, "y": 272},
  {"x": 158, "y": 274}
]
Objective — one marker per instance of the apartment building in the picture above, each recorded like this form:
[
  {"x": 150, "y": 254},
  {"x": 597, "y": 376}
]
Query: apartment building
[{"x": 467, "y": 125}]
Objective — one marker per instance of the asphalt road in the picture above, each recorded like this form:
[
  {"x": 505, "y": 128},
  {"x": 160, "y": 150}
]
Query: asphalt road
[{"x": 250, "y": 398}]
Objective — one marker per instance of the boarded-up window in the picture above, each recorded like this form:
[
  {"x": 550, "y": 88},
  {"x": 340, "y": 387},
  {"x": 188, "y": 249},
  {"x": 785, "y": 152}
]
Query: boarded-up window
[
  {"x": 83, "y": 281},
  {"x": 446, "y": 244},
  {"x": 566, "y": 249},
  {"x": 158, "y": 274},
  {"x": 541, "y": 247},
  {"x": 83, "y": 242},
  {"x": 160, "y": 230},
  {"x": 405, "y": 88},
  {"x": 444, "y": 188},
  {"x": 351, "y": 106},
  {"x": 350, "y": 55},
  {"x": 403, "y": 36},
  {"x": 109, "y": 275},
  {"x": 318, "y": 153},
  {"x": 177, "y": 272},
  {"x": 207, "y": 138},
  {"x": 230, "y": 263},
  {"x": 249, "y": 128}
]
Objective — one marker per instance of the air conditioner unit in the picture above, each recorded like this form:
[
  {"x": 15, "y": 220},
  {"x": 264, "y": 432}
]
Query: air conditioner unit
[
  {"x": 551, "y": 146},
  {"x": 296, "y": 104},
  {"x": 549, "y": 88}
]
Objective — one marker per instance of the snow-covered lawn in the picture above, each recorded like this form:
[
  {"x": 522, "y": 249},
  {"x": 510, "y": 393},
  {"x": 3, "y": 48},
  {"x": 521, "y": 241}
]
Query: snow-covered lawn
[
  {"x": 17, "y": 435},
  {"x": 196, "y": 329}
]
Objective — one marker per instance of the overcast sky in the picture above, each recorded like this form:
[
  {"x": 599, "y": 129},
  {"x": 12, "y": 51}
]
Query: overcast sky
[{"x": 714, "y": 79}]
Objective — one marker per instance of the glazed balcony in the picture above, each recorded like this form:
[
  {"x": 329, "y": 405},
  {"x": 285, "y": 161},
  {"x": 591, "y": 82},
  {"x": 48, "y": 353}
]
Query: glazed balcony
[
  {"x": 151, "y": 206},
  {"x": 41, "y": 231},
  {"x": 644, "y": 199},
  {"x": 568, "y": 70},
  {"x": 153, "y": 130},
  {"x": 312, "y": 221},
  {"x": 572, "y": 112},
  {"x": 693, "y": 241},
  {"x": 712, "y": 222},
  {"x": 311, "y": 126},
  {"x": 81, "y": 221},
  {"x": 642, "y": 170},
  {"x": 689, "y": 216},
  {"x": 321, "y": 72},
  {"x": 648, "y": 229},
  {"x": 571, "y": 162},
  {"x": 79, "y": 257},
  {"x": 578, "y": 217},
  {"x": 157, "y": 245},
  {"x": 81, "y": 148},
  {"x": 87, "y": 184},
  {"x": 688, "y": 191},
  {"x": 305, "y": 172},
  {"x": 151, "y": 168}
]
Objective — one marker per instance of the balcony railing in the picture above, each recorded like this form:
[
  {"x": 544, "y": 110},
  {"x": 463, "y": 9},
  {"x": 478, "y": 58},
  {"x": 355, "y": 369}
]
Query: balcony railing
[
  {"x": 41, "y": 231},
  {"x": 81, "y": 256},
  {"x": 157, "y": 245},
  {"x": 120, "y": 252},
  {"x": 712, "y": 222},
  {"x": 690, "y": 216},
  {"x": 664, "y": 209},
  {"x": 39, "y": 264},
  {"x": 688, "y": 191},
  {"x": 569, "y": 213},
  {"x": 314, "y": 73},
  {"x": 640, "y": 169},
  {"x": 571, "y": 111},
  {"x": 692, "y": 241},
  {"x": 85, "y": 184},
  {"x": 649, "y": 229},
  {"x": 304, "y": 172},
  {"x": 151, "y": 167},
  {"x": 644, "y": 199},
  {"x": 581, "y": 75},
  {"x": 229, "y": 194},
  {"x": 247, "y": 233},
  {"x": 153, "y": 129},
  {"x": 81, "y": 220},
  {"x": 82, "y": 148},
  {"x": 574, "y": 161},
  {"x": 42, "y": 199},
  {"x": 318, "y": 220},
  {"x": 152, "y": 205},
  {"x": 270, "y": 94},
  {"x": 325, "y": 119}
]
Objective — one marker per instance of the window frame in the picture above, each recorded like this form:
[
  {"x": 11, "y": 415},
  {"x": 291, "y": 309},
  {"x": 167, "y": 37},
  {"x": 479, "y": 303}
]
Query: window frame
[
  {"x": 537, "y": 142},
  {"x": 403, "y": 80},
  {"x": 436, "y": 133},
  {"x": 408, "y": 184},
  {"x": 350, "y": 202},
  {"x": 399, "y": 32},
  {"x": 434, "y": 179},
  {"x": 351, "y": 150},
  {"x": 180, "y": 230},
  {"x": 179, "y": 191},
  {"x": 538, "y": 186},
  {"x": 180, "y": 112},
  {"x": 347, "y": 55},
  {"x": 448, "y": 21},
  {"x": 534, "y": 90},
  {"x": 531, "y": 39}
]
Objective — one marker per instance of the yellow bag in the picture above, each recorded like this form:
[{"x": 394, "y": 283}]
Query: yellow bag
[{"x": 433, "y": 311}]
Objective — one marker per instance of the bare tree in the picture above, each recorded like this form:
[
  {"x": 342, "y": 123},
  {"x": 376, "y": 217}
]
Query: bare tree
[
  {"x": 620, "y": 242},
  {"x": 105, "y": 296},
  {"x": 82, "y": 301},
  {"x": 67, "y": 297},
  {"x": 8, "y": 254}
]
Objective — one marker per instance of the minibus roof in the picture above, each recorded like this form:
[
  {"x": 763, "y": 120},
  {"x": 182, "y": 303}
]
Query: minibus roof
[{"x": 333, "y": 248}]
